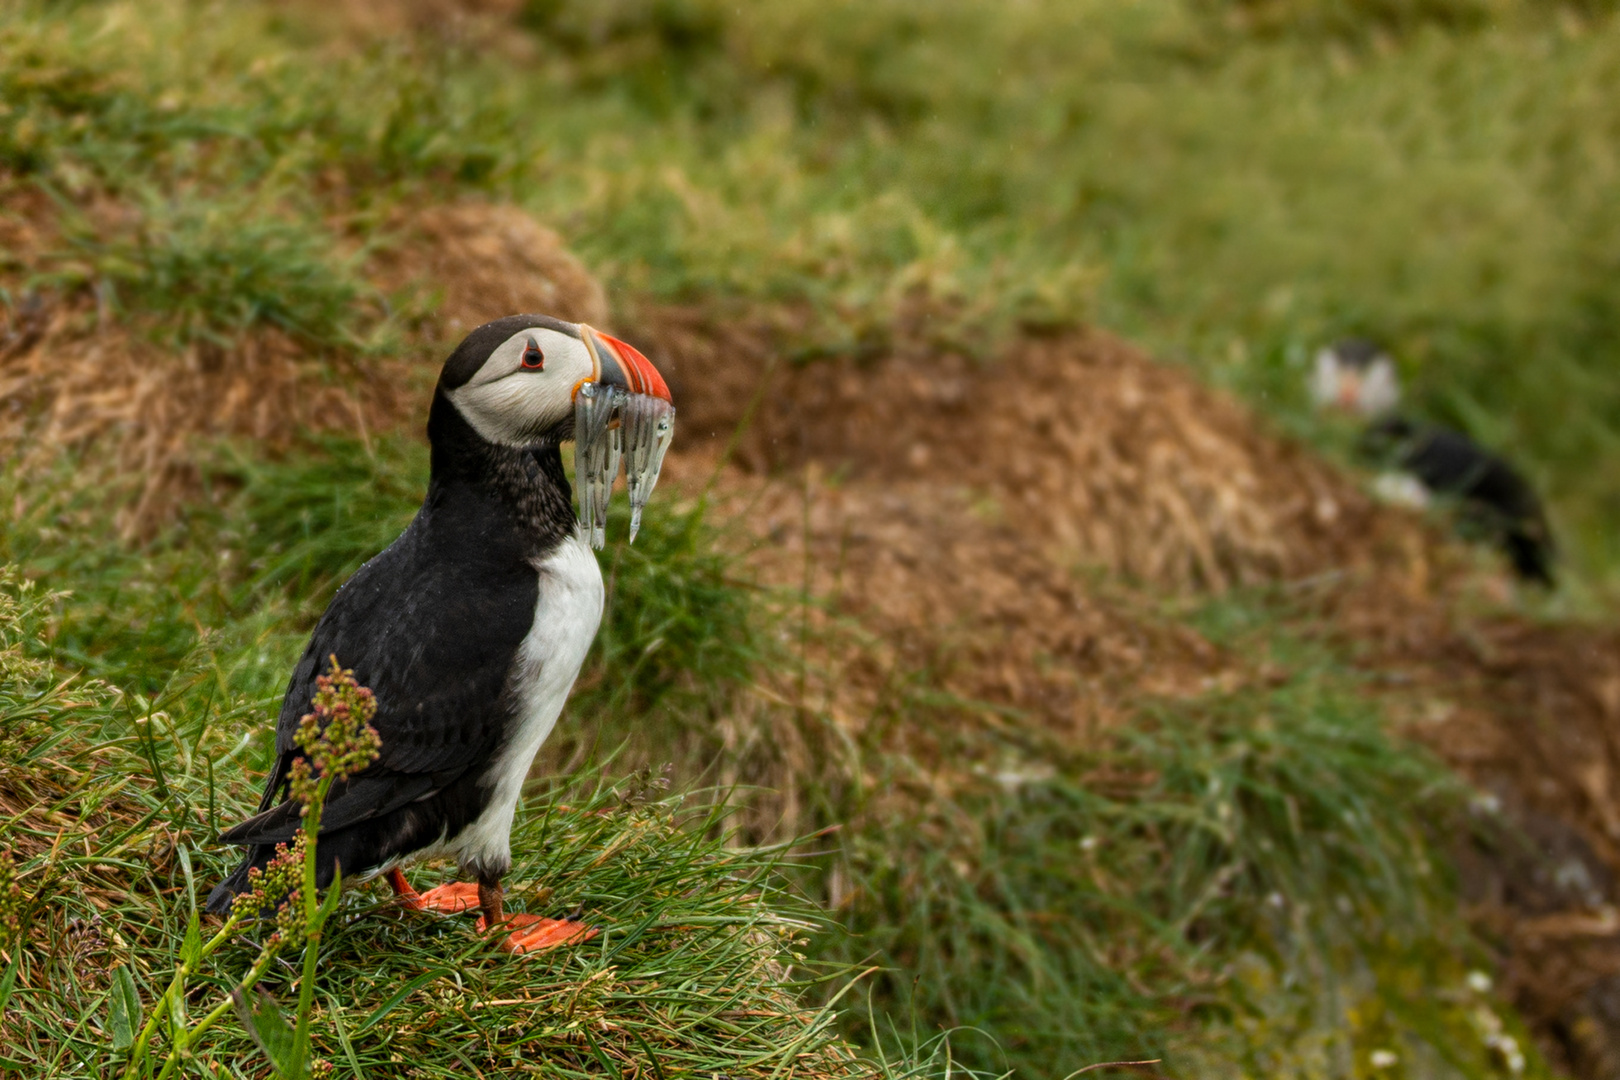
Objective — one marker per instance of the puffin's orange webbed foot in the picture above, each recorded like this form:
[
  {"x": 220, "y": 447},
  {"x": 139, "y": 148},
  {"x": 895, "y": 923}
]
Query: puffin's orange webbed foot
[
  {"x": 532, "y": 933},
  {"x": 451, "y": 899}
]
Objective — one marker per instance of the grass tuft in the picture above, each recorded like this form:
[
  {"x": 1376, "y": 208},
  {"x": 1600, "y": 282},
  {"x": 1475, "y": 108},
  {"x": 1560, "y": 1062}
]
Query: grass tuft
[{"x": 214, "y": 269}]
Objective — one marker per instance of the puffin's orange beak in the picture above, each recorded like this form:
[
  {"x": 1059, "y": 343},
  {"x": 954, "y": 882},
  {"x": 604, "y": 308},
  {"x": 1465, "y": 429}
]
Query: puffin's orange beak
[
  {"x": 623, "y": 366},
  {"x": 1349, "y": 390}
]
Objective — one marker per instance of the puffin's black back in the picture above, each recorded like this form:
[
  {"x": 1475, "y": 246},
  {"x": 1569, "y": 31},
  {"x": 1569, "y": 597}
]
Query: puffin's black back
[
  {"x": 431, "y": 625},
  {"x": 1496, "y": 498}
]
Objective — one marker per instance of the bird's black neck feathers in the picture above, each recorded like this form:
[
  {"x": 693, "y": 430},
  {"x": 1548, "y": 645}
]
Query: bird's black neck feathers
[{"x": 472, "y": 476}]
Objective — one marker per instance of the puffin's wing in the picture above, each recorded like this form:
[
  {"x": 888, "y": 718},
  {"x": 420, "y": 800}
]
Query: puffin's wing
[
  {"x": 436, "y": 648},
  {"x": 368, "y": 795}
]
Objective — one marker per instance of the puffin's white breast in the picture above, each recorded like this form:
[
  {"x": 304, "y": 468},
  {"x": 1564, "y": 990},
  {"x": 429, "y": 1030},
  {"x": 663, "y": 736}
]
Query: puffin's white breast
[{"x": 566, "y": 617}]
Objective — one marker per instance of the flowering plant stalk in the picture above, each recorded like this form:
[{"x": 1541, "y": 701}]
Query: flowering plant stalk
[{"x": 338, "y": 741}]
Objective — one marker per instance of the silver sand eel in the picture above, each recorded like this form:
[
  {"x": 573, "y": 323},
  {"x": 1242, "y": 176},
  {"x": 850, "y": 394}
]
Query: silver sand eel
[
  {"x": 610, "y": 425},
  {"x": 648, "y": 424}
]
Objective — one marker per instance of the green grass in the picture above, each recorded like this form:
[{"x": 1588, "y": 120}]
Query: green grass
[
  {"x": 693, "y": 972},
  {"x": 1434, "y": 174}
]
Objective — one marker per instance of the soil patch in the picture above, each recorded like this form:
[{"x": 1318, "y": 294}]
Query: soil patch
[
  {"x": 1530, "y": 712},
  {"x": 480, "y": 23}
]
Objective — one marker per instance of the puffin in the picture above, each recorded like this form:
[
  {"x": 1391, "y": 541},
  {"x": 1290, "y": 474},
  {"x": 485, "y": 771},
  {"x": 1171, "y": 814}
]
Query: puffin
[
  {"x": 470, "y": 628},
  {"x": 1496, "y": 501}
]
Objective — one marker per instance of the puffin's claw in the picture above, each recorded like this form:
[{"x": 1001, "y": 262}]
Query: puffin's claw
[{"x": 532, "y": 933}]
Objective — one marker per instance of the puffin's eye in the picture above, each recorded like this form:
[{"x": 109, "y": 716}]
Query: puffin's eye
[{"x": 533, "y": 358}]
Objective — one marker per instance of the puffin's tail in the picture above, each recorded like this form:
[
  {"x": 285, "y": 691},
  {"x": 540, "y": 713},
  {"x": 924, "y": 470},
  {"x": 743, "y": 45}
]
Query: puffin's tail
[{"x": 346, "y": 847}]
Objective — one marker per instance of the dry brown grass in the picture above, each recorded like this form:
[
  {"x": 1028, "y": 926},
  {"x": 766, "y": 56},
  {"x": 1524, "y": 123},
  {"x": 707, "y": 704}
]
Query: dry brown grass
[
  {"x": 146, "y": 409},
  {"x": 480, "y": 23},
  {"x": 73, "y": 379},
  {"x": 913, "y": 594}
]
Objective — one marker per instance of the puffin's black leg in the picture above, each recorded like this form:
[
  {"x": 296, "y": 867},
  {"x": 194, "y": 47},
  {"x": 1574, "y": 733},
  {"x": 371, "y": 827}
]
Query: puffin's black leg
[
  {"x": 451, "y": 899},
  {"x": 489, "y": 900},
  {"x": 529, "y": 933}
]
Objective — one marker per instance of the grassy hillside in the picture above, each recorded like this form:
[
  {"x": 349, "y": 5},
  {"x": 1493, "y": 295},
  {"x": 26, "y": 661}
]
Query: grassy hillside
[{"x": 219, "y": 319}]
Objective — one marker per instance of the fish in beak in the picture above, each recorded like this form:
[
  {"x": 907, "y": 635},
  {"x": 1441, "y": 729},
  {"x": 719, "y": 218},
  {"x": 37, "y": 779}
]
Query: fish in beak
[{"x": 622, "y": 413}]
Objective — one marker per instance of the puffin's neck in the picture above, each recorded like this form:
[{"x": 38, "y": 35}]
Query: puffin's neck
[{"x": 528, "y": 485}]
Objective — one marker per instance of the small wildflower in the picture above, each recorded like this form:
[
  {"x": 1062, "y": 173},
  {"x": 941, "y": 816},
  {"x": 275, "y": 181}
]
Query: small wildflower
[
  {"x": 301, "y": 783},
  {"x": 290, "y": 920},
  {"x": 336, "y": 736},
  {"x": 276, "y": 886},
  {"x": 1508, "y": 1047},
  {"x": 1383, "y": 1059}
]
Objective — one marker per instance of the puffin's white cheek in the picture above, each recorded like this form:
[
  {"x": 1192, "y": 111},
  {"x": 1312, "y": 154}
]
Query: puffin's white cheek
[
  {"x": 513, "y": 410},
  {"x": 1325, "y": 382}
]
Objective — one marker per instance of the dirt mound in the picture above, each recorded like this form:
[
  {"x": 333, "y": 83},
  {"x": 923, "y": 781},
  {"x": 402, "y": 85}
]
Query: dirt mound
[
  {"x": 993, "y": 526},
  {"x": 1097, "y": 455},
  {"x": 941, "y": 589},
  {"x": 949, "y": 512},
  {"x": 978, "y": 528},
  {"x": 75, "y": 385},
  {"x": 480, "y": 261},
  {"x": 71, "y": 376}
]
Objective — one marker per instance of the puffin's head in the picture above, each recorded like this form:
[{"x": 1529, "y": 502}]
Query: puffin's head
[
  {"x": 530, "y": 380},
  {"x": 1357, "y": 376}
]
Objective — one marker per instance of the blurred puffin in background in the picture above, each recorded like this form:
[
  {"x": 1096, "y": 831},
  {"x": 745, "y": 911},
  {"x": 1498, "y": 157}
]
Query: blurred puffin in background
[
  {"x": 471, "y": 627},
  {"x": 1495, "y": 500}
]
